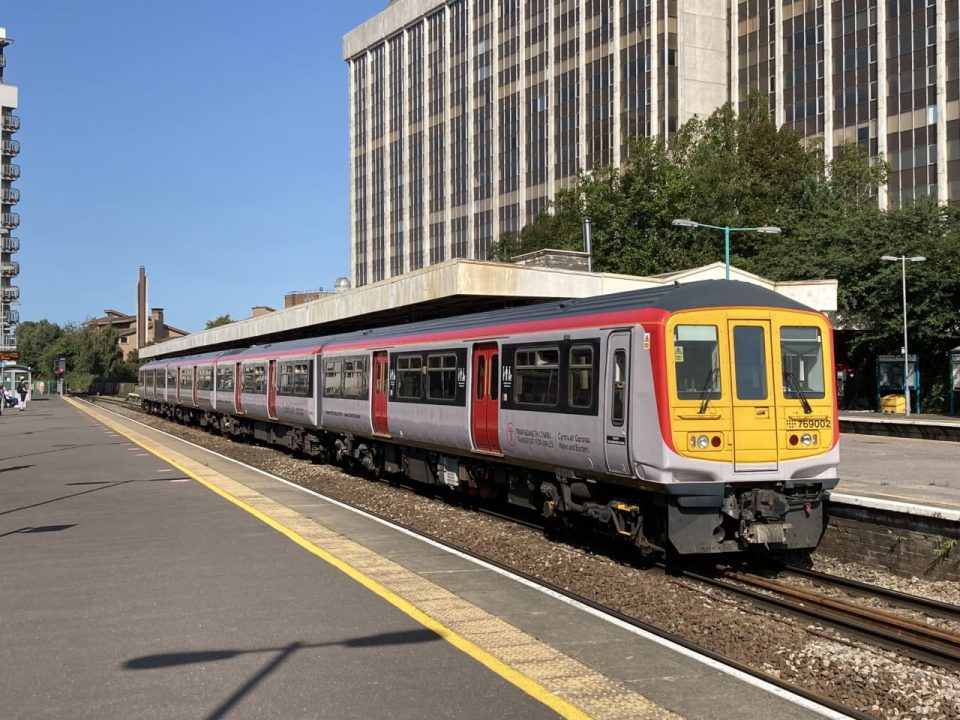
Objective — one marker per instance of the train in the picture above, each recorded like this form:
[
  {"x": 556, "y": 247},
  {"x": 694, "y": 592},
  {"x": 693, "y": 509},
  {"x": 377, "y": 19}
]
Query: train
[{"x": 691, "y": 419}]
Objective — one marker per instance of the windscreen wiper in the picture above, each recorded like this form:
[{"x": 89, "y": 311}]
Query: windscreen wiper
[
  {"x": 707, "y": 389},
  {"x": 791, "y": 379}
]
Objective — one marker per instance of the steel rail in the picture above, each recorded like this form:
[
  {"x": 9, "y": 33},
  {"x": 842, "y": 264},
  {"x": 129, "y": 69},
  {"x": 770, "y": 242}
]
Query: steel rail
[
  {"x": 942, "y": 609},
  {"x": 923, "y": 643}
]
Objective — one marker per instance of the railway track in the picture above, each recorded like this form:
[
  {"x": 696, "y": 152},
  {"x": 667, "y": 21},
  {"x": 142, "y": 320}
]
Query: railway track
[{"x": 917, "y": 640}]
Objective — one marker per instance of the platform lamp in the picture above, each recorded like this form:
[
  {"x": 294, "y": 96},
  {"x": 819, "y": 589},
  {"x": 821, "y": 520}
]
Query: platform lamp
[
  {"x": 906, "y": 361},
  {"x": 767, "y": 229}
]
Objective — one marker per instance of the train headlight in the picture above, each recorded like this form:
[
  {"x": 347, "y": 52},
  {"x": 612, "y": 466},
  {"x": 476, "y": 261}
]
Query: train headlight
[
  {"x": 806, "y": 439},
  {"x": 703, "y": 442}
]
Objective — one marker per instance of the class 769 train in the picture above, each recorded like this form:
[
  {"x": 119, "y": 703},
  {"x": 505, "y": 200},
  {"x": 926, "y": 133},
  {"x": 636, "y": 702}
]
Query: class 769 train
[{"x": 689, "y": 419}]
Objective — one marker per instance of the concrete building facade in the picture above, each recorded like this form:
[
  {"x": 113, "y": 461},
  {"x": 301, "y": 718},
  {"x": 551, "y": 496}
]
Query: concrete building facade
[
  {"x": 466, "y": 116},
  {"x": 9, "y": 220}
]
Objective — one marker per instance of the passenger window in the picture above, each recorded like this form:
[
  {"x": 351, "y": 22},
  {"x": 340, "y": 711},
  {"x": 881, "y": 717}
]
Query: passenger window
[
  {"x": 442, "y": 377},
  {"x": 294, "y": 378},
  {"x": 580, "y": 381},
  {"x": 332, "y": 380},
  {"x": 750, "y": 358},
  {"x": 618, "y": 406},
  {"x": 696, "y": 362},
  {"x": 536, "y": 376},
  {"x": 355, "y": 378},
  {"x": 409, "y": 377},
  {"x": 225, "y": 378},
  {"x": 254, "y": 379}
]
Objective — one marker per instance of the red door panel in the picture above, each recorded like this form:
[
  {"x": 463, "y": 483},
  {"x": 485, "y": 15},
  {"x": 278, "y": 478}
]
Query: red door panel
[
  {"x": 485, "y": 403},
  {"x": 380, "y": 389},
  {"x": 272, "y": 389},
  {"x": 237, "y": 387}
]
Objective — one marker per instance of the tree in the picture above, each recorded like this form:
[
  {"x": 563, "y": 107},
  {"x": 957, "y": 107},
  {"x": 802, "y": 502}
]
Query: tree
[
  {"x": 33, "y": 337},
  {"x": 218, "y": 321}
]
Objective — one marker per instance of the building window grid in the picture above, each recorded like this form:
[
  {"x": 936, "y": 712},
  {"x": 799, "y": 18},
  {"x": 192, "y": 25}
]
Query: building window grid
[
  {"x": 416, "y": 200},
  {"x": 377, "y": 101},
  {"x": 397, "y": 229},
  {"x": 360, "y": 227},
  {"x": 415, "y": 74},
  {"x": 397, "y": 116},
  {"x": 803, "y": 69},
  {"x": 378, "y": 214},
  {"x": 635, "y": 72},
  {"x": 757, "y": 72},
  {"x": 911, "y": 103},
  {"x": 483, "y": 94}
]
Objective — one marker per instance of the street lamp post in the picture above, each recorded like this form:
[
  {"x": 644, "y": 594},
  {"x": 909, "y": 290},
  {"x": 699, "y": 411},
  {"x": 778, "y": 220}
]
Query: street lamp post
[
  {"x": 906, "y": 362},
  {"x": 768, "y": 229}
]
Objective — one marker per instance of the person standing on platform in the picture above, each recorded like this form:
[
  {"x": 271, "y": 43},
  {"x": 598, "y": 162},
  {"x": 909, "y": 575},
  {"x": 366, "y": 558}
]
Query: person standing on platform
[{"x": 23, "y": 388}]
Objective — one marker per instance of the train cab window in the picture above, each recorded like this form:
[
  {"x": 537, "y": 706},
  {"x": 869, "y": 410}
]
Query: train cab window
[
  {"x": 580, "y": 385},
  {"x": 409, "y": 377},
  {"x": 355, "y": 382},
  {"x": 254, "y": 379},
  {"x": 225, "y": 378},
  {"x": 205, "y": 378},
  {"x": 536, "y": 376},
  {"x": 801, "y": 356},
  {"x": 750, "y": 360},
  {"x": 442, "y": 377},
  {"x": 186, "y": 378},
  {"x": 696, "y": 362}
]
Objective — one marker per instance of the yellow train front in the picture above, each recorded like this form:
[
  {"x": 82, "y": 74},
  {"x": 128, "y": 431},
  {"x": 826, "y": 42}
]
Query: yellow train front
[{"x": 749, "y": 427}]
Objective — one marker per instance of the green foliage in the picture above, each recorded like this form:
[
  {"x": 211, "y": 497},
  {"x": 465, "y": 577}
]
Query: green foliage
[
  {"x": 943, "y": 546},
  {"x": 218, "y": 321},
  {"x": 32, "y": 339},
  {"x": 91, "y": 353}
]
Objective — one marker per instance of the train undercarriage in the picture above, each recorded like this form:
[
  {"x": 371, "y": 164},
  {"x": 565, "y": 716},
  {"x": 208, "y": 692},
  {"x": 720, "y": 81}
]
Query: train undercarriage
[{"x": 773, "y": 518}]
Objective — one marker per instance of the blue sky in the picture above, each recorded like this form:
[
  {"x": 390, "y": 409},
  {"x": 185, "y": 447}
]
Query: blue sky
[{"x": 205, "y": 140}]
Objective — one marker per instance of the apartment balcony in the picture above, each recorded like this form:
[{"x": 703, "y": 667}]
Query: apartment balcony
[
  {"x": 9, "y": 244},
  {"x": 9, "y": 342},
  {"x": 9, "y": 220},
  {"x": 9, "y": 196},
  {"x": 11, "y": 268},
  {"x": 10, "y": 123},
  {"x": 9, "y": 148},
  {"x": 10, "y": 293},
  {"x": 11, "y": 316},
  {"x": 9, "y": 172}
]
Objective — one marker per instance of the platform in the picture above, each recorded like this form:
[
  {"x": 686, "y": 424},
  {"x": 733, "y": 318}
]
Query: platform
[{"x": 146, "y": 577}]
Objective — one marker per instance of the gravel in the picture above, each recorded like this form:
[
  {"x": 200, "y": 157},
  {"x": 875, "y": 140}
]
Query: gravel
[{"x": 873, "y": 680}]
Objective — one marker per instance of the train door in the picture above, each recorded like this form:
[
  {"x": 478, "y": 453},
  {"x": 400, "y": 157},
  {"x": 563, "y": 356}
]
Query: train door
[
  {"x": 754, "y": 398},
  {"x": 193, "y": 385},
  {"x": 237, "y": 387},
  {"x": 485, "y": 405},
  {"x": 380, "y": 389},
  {"x": 617, "y": 406},
  {"x": 272, "y": 390}
]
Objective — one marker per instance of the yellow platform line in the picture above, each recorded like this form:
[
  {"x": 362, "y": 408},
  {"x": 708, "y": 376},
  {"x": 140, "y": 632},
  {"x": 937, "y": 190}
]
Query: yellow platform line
[{"x": 565, "y": 685}]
